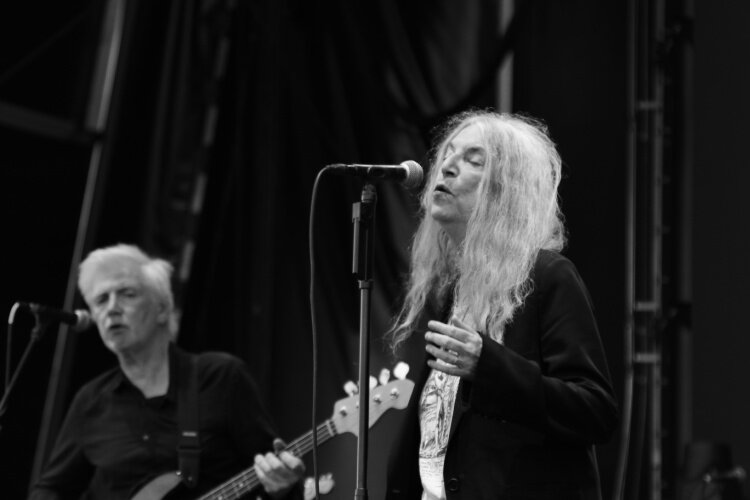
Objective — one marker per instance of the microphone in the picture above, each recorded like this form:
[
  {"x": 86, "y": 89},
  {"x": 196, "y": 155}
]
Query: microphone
[
  {"x": 409, "y": 172},
  {"x": 79, "y": 320}
]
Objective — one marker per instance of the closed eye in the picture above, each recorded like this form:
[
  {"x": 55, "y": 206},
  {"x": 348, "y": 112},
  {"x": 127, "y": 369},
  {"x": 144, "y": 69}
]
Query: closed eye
[{"x": 475, "y": 156}]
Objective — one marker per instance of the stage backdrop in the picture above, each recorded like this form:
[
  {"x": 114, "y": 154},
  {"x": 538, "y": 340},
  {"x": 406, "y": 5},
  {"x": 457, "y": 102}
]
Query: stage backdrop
[{"x": 304, "y": 85}]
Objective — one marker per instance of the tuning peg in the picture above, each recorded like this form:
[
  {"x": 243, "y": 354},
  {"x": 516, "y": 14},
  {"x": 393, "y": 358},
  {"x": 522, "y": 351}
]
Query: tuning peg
[
  {"x": 401, "y": 370},
  {"x": 350, "y": 388},
  {"x": 384, "y": 377}
]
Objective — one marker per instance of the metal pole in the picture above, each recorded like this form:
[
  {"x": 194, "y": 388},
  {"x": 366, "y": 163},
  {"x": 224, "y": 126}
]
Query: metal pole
[
  {"x": 618, "y": 491},
  {"x": 656, "y": 135},
  {"x": 684, "y": 368},
  {"x": 363, "y": 217},
  {"x": 505, "y": 75},
  {"x": 644, "y": 269},
  {"x": 105, "y": 73}
]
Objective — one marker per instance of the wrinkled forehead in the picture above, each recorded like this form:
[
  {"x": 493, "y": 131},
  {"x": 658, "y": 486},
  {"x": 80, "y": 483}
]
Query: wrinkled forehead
[
  {"x": 101, "y": 277},
  {"x": 471, "y": 133}
]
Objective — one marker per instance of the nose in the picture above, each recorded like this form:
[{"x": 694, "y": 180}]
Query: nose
[
  {"x": 449, "y": 168},
  {"x": 113, "y": 304}
]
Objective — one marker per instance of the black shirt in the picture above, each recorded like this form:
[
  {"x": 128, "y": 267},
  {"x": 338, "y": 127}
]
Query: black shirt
[{"x": 114, "y": 440}]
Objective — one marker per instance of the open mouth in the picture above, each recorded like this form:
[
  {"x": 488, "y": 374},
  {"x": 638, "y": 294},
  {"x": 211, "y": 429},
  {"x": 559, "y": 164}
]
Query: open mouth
[{"x": 440, "y": 188}]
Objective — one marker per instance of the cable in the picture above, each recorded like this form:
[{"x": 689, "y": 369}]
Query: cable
[
  {"x": 9, "y": 343},
  {"x": 311, "y": 251}
]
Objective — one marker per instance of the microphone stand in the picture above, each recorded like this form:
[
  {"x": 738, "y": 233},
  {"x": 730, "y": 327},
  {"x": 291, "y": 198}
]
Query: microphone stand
[
  {"x": 363, "y": 219},
  {"x": 36, "y": 334}
]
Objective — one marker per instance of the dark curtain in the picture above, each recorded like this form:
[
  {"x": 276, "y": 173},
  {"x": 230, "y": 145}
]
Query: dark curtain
[{"x": 311, "y": 84}]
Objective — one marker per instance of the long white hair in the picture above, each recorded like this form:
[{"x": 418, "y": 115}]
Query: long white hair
[{"x": 516, "y": 215}]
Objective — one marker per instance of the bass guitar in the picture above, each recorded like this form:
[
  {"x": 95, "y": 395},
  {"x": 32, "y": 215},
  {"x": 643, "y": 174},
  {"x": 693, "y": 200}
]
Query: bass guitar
[{"x": 345, "y": 418}]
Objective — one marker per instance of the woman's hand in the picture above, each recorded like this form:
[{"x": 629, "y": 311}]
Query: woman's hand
[{"x": 455, "y": 346}]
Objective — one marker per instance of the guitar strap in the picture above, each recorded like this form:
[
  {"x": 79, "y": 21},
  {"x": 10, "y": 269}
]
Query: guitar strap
[{"x": 189, "y": 447}]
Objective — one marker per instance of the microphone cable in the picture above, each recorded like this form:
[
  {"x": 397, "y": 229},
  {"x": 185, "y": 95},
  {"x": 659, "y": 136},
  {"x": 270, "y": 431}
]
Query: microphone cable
[
  {"x": 313, "y": 320},
  {"x": 9, "y": 344}
]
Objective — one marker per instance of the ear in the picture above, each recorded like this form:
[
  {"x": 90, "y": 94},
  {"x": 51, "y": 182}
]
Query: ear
[{"x": 162, "y": 313}]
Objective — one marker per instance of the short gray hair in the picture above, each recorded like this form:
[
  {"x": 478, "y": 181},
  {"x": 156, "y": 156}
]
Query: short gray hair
[{"x": 156, "y": 273}]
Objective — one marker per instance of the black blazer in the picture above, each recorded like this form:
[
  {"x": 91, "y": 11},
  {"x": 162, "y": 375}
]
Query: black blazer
[{"x": 526, "y": 426}]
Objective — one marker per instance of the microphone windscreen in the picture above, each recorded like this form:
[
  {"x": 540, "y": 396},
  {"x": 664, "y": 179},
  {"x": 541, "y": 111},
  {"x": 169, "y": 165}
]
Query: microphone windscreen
[
  {"x": 84, "y": 320},
  {"x": 414, "y": 174}
]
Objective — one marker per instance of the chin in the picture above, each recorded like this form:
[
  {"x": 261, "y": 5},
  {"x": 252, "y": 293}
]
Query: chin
[
  {"x": 116, "y": 344},
  {"x": 438, "y": 213},
  {"x": 443, "y": 218}
]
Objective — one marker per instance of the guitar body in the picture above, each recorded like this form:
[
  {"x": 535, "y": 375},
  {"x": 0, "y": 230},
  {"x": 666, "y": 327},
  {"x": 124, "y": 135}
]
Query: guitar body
[{"x": 163, "y": 487}]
